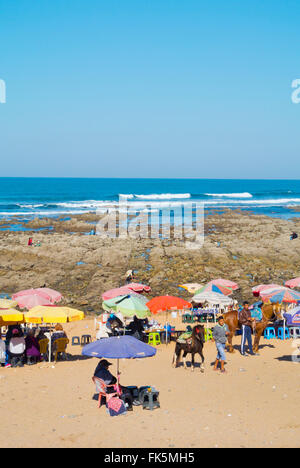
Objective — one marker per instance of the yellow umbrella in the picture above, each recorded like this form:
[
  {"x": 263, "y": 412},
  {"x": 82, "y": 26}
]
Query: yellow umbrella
[
  {"x": 10, "y": 317},
  {"x": 46, "y": 314},
  {"x": 7, "y": 303}
]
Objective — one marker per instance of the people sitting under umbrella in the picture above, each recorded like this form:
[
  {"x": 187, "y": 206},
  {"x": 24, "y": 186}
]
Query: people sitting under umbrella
[
  {"x": 59, "y": 333},
  {"x": 102, "y": 372},
  {"x": 32, "y": 348},
  {"x": 136, "y": 328},
  {"x": 114, "y": 325},
  {"x": 16, "y": 348}
]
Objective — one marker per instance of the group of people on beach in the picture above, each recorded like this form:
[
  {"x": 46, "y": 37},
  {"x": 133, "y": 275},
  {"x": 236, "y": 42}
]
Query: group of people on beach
[
  {"x": 221, "y": 332},
  {"x": 23, "y": 346}
]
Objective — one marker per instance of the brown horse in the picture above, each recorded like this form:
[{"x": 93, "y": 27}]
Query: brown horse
[
  {"x": 195, "y": 346},
  {"x": 270, "y": 312}
]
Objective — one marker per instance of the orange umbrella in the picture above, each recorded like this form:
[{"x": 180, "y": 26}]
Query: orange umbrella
[{"x": 164, "y": 303}]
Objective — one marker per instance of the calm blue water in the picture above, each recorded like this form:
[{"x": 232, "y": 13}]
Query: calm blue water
[{"x": 29, "y": 198}]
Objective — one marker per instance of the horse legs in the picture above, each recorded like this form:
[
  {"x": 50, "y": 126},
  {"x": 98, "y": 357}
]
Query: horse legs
[
  {"x": 184, "y": 359},
  {"x": 229, "y": 342},
  {"x": 202, "y": 363},
  {"x": 176, "y": 357},
  {"x": 193, "y": 362},
  {"x": 259, "y": 331}
]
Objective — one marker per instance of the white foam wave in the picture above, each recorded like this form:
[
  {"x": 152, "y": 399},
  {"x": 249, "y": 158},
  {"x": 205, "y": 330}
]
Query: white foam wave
[{"x": 230, "y": 195}]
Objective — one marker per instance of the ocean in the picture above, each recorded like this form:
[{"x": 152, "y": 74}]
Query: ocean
[{"x": 29, "y": 198}]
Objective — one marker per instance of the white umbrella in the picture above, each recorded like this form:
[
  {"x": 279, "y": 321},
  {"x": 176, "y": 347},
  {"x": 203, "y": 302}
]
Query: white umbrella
[{"x": 212, "y": 298}]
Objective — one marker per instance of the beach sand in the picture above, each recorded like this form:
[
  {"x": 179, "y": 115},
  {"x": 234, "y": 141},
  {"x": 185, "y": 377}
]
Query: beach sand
[{"x": 256, "y": 404}]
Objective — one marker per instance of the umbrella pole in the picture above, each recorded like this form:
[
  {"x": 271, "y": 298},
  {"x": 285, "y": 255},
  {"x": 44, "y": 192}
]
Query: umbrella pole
[{"x": 50, "y": 347}]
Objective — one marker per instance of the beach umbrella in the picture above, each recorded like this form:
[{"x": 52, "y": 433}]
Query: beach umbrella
[
  {"x": 7, "y": 303},
  {"x": 50, "y": 294},
  {"x": 137, "y": 287},
  {"x": 53, "y": 314},
  {"x": 210, "y": 287},
  {"x": 261, "y": 287},
  {"x": 191, "y": 287},
  {"x": 212, "y": 298},
  {"x": 33, "y": 300},
  {"x": 123, "y": 291},
  {"x": 293, "y": 317},
  {"x": 128, "y": 306},
  {"x": 119, "y": 347},
  {"x": 280, "y": 295},
  {"x": 293, "y": 283},
  {"x": 167, "y": 303},
  {"x": 10, "y": 317},
  {"x": 225, "y": 283}
]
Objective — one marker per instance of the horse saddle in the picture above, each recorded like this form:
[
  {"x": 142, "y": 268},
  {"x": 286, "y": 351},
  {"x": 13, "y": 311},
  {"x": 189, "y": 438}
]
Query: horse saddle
[{"x": 185, "y": 338}]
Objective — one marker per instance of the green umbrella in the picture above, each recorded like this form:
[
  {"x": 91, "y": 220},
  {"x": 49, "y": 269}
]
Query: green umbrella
[{"x": 128, "y": 306}]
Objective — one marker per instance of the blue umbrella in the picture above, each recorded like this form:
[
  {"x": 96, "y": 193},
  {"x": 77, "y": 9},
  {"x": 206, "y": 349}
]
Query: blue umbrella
[{"x": 119, "y": 347}]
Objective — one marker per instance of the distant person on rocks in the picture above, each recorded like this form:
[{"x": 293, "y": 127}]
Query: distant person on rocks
[
  {"x": 294, "y": 236},
  {"x": 129, "y": 276}
]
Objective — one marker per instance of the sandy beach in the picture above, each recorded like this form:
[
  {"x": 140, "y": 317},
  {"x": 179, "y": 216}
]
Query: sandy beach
[{"x": 256, "y": 404}]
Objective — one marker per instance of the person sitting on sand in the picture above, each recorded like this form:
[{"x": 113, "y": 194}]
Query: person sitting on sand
[
  {"x": 220, "y": 334},
  {"x": 16, "y": 348},
  {"x": 32, "y": 348},
  {"x": 102, "y": 372}
]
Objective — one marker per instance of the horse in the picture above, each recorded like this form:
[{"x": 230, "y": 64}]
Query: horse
[
  {"x": 195, "y": 346},
  {"x": 270, "y": 313}
]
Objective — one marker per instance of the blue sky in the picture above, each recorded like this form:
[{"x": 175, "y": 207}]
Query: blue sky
[{"x": 157, "y": 88}]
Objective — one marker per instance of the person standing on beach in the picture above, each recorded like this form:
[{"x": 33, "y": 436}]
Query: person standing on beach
[
  {"x": 220, "y": 334},
  {"x": 246, "y": 322}
]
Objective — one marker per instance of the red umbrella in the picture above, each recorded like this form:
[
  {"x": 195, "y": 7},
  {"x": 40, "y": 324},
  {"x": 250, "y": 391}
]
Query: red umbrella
[
  {"x": 137, "y": 287},
  {"x": 164, "y": 303},
  {"x": 293, "y": 283}
]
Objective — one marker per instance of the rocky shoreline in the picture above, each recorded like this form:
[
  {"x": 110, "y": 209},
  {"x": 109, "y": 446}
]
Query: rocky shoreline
[{"x": 243, "y": 247}]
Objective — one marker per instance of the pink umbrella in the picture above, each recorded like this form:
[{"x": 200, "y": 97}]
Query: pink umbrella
[
  {"x": 280, "y": 295},
  {"x": 225, "y": 283},
  {"x": 293, "y": 283},
  {"x": 46, "y": 293},
  {"x": 262, "y": 287},
  {"x": 32, "y": 300},
  {"x": 112, "y": 293},
  {"x": 138, "y": 287}
]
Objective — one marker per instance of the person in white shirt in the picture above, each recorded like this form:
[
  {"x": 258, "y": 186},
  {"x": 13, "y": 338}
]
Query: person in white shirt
[{"x": 16, "y": 349}]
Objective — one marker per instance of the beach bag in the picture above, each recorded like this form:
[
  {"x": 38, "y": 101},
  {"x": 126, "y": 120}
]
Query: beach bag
[{"x": 116, "y": 406}]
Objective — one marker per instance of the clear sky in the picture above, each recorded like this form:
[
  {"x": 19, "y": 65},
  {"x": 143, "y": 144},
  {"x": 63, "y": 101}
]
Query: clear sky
[{"x": 156, "y": 88}]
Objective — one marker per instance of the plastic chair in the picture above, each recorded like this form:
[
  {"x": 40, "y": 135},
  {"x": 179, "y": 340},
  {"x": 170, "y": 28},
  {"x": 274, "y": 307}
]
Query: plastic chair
[
  {"x": 101, "y": 388},
  {"x": 85, "y": 339},
  {"x": 269, "y": 333},
  {"x": 60, "y": 346},
  {"x": 75, "y": 341},
  {"x": 154, "y": 339},
  {"x": 283, "y": 333},
  {"x": 294, "y": 332},
  {"x": 43, "y": 345},
  {"x": 208, "y": 335}
]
